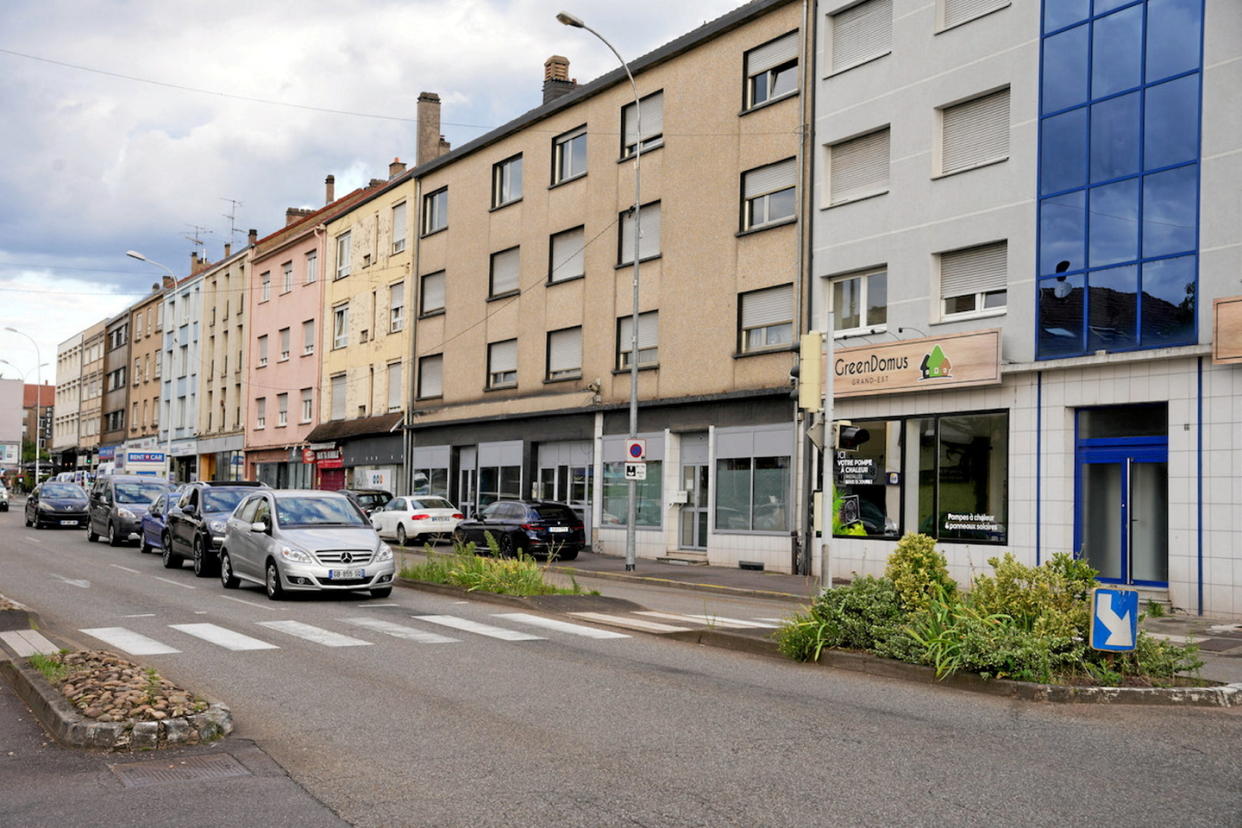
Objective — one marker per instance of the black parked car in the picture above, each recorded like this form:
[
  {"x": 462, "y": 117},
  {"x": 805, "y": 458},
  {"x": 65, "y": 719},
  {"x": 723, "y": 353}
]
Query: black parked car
[
  {"x": 368, "y": 500},
  {"x": 195, "y": 528},
  {"x": 535, "y": 527},
  {"x": 56, "y": 504}
]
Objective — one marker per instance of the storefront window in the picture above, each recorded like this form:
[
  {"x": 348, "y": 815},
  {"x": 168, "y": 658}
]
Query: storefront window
[
  {"x": 964, "y": 477},
  {"x": 431, "y": 482},
  {"x": 499, "y": 483},
  {"x": 649, "y": 495},
  {"x": 752, "y": 494},
  {"x": 867, "y": 483}
]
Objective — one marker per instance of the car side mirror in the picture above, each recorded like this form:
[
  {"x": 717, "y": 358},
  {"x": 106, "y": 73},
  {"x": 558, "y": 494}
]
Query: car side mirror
[{"x": 259, "y": 526}]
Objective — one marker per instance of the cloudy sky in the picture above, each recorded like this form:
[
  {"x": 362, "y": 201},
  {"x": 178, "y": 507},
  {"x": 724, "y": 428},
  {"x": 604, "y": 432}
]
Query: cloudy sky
[{"x": 108, "y": 148}]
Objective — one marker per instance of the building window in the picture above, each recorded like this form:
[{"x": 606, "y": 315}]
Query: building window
[
  {"x": 651, "y": 114},
  {"x": 265, "y": 286},
  {"x": 956, "y": 12},
  {"x": 565, "y": 353},
  {"x": 767, "y": 318},
  {"x": 342, "y": 255},
  {"x": 262, "y": 351},
  {"x": 507, "y": 181},
  {"x": 398, "y": 227},
  {"x": 963, "y": 489},
  {"x": 772, "y": 70},
  {"x": 768, "y": 194},
  {"x": 567, "y": 255},
  {"x": 974, "y": 133},
  {"x": 312, "y": 267},
  {"x": 396, "y": 307},
  {"x": 648, "y": 340},
  {"x": 860, "y": 303},
  {"x": 1119, "y": 125},
  {"x": 308, "y": 404},
  {"x": 648, "y": 496},
  {"x": 861, "y": 33},
  {"x": 287, "y": 270},
  {"x": 308, "y": 337},
  {"x": 502, "y": 364},
  {"x": 752, "y": 494},
  {"x": 506, "y": 266},
  {"x": 282, "y": 410},
  {"x": 394, "y": 386},
  {"x": 338, "y": 397},
  {"x": 649, "y": 234},
  {"x": 431, "y": 376},
  {"x": 284, "y": 344},
  {"x": 973, "y": 281},
  {"x": 858, "y": 167},
  {"x": 435, "y": 211},
  {"x": 864, "y": 504},
  {"x": 569, "y": 156},
  {"x": 340, "y": 326},
  {"x": 260, "y": 412},
  {"x": 431, "y": 296}
]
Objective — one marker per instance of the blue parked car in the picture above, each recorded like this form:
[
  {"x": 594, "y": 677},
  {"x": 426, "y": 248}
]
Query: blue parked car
[{"x": 154, "y": 521}]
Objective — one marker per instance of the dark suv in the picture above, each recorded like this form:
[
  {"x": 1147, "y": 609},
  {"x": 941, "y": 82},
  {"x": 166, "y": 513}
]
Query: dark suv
[
  {"x": 118, "y": 502},
  {"x": 195, "y": 529},
  {"x": 535, "y": 527},
  {"x": 368, "y": 500}
]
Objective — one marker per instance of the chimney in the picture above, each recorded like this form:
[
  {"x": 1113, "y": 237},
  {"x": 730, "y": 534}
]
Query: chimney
[
  {"x": 556, "y": 80},
  {"x": 228, "y": 249},
  {"x": 193, "y": 261},
  {"x": 329, "y": 188},
  {"x": 254, "y": 236},
  {"x": 293, "y": 214},
  {"x": 155, "y": 286},
  {"x": 375, "y": 182},
  {"x": 395, "y": 168},
  {"x": 430, "y": 141},
  {"x": 169, "y": 282}
]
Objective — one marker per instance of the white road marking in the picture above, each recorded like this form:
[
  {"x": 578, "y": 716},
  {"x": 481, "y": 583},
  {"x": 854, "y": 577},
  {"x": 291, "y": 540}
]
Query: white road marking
[
  {"x": 559, "y": 626},
  {"x": 461, "y": 602},
  {"x": 28, "y": 642},
  {"x": 174, "y": 583},
  {"x": 379, "y": 605},
  {"x": 247, "y": 603},
  {"x": 77, "y": 582},
  {"x": 33, "y": 540},
  {"x": 710, "y": 620},
  {"x": 631, "y": 623},
  {"x": 400, "y": 631},
  {"x": 467, "y": 625},
  {"x": 129, "y": 641},
  {"x": 315, "y": 634},
  {"x": 777, "y": 621},
  {"x": 225, "y": 638},
  {"x": 200, "y": 612},
  {"x": 126, "y": 568},
  {"x": 140, "y": 615}
]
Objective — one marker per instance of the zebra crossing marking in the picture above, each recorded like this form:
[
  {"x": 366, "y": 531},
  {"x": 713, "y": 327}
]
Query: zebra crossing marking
[
  {"x": 222, "y": 637},
  {"x": 631, "y": 623},
  {"x": 400, "y": 631},
  {"x": 710, "y": 620},
  {"x": 317, "y": 635},
  {"x": 28, "y": 642},
  {"x": 129, "y": 641},
  {"x": 475, "y": 627},
  {"x": 559, "y": 626}
]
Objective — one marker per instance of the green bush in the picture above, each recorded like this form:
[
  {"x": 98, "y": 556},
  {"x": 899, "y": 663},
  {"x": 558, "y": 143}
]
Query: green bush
[
  {"x": 919, "y": 572},
  {"x": 861, "y": 613},
  {"x": 1051, "y": 600},
  {"x": 803, "y": 637},
  {"x": 506, "y": 576}
]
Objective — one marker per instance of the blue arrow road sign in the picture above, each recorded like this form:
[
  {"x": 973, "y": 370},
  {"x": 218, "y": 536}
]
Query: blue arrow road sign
[{"x": 1114, "y": 619}]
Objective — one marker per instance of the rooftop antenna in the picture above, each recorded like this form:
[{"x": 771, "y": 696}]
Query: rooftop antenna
[
  {"x": 231, "y": 215},
  {"x": 194, "y": 237}
]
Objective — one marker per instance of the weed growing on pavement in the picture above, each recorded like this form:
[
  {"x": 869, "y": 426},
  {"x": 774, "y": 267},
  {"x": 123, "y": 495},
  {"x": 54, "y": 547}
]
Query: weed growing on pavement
[
  {"x": 1155, "y": 609},
  {"x": 51, "y": 666},
  {"x": 520, "y": 575}
]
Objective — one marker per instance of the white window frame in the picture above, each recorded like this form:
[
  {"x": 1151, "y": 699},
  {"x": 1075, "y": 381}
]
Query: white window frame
[
  {"x": 287, "y": 273},
  {"x": 424, "y": 309},
  {"x": 396, "y": 307},
  {"x": 284, "y": 335},
  {"x": 260, "y": 413},
  {"x": 651, "y": 107},
  {"x": 265, "y": 286},
  {"x": 864, "y": 277},
  {"x": 999, "y": 249},
  {"x": 767, "y": 325},
  {"x": 308, "y": 337},
  {"x": 343, "y": 255},
  {"x": 648, "y": 331},
  {"x": 650, "y": 228},
  {"x": 340, "y": 326},
  {"x": 263, "y": 351},
  {"x": 394, "y": 400},
  {"x": 339, "y": 389},
  {"x": 562, "y": 268},
  {"x": 502, "y": 377},
  {"x": 398, "y": 226},
  {"x": 561, "y": 159},
  {"x": 312, "y": 267},
  {"x": 308, "y": 404},
  {"x": 757, "y": 195},
  {"x": 435, "y": 211},
  {"x": 773, "y": 58},
  {"x": 282, "y": 410},
  {"x": 565, "y": 371},
  {"x": 507, "y": 181},
  {"x": 503, "y": 255},
  {"x": 424, "y": 363}
]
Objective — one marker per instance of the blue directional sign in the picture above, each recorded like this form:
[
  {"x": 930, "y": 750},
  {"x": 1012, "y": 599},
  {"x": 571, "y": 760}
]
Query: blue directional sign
[{"x": 1114, "y": 619}]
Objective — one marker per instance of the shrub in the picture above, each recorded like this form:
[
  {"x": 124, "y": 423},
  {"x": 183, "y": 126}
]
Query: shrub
[
  {"x": 860, "y": 614},
  {"x": 509, "y": 576},
  {"x": 1052, "y": 599},
  {"x": 919, "y": 572},
  {"x": 803, "y": 637}
]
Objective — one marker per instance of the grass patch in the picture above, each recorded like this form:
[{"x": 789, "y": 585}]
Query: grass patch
[
  {"x": 520, "y": 575},
  {"x": 51, "y": 668}
]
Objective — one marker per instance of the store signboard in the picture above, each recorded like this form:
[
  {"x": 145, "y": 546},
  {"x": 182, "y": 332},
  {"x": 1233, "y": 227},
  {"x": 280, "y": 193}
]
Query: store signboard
[
  {"x": 934, "y": 363},
  {"x": 855, "y": 471},
  {"x": 1227, "y": 339}
]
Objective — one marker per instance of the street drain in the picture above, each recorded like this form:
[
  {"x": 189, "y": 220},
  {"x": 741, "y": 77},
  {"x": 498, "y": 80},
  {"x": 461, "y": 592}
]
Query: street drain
[{"x": 193, "y": 769}]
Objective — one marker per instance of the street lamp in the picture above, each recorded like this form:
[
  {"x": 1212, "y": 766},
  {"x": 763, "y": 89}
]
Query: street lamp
[
  {"x": 134, "y": 254},
  {"x": 38, "y": 399},
  {"x": 631, "y": 509}
]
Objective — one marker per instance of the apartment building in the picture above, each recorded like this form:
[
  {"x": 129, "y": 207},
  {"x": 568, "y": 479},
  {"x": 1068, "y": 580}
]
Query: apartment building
[
  {"x": 38, "y": 412},
  {"x": 183, "y": 314},
  {"x": 1027, "y": 219},
  {"x": 523, "y": 298},
  {"x": 285, "y": 347},
  {"x": 89, "y": 414},
  {"x": 68, "y": 399},
  {"x": 11, "y": 425},
  {"x": 114, "y": 404},
  {"x": 145, "y": 349},
  {"x": 222, "y": 366}
]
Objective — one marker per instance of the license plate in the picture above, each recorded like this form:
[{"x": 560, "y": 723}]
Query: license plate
[
  {"x": 558, "y": 529},
  {"x": 68, "y": 523},
  {"x": 439, "y": 519},
  {"x": 346, "y": 574}
]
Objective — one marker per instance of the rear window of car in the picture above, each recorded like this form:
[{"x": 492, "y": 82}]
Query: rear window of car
[
  {"x": 430, "y": 503},
  {"x": 223, "y": 500},
  {"x": 372, "y": 498},
  {"x": 553, "y": 512},
  {"x": 138, "y": 492}
]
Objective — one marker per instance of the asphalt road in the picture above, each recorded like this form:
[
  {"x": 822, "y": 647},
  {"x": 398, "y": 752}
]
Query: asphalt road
[{"x": 387, "y": 726}]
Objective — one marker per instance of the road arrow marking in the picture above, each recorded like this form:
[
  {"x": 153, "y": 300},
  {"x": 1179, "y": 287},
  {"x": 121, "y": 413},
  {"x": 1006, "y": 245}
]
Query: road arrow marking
[
  {"x": 1119, "y": 634},
  {"x": 72, "y": 581}
]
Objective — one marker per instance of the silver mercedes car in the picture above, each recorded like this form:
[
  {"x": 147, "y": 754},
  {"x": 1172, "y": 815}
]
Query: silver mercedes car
[{"x": 304, "y": 540}]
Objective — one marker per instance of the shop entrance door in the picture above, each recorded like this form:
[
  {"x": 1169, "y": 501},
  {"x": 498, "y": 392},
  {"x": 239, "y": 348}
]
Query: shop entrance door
[
  {"x": 694, "y": 511},
  {"x": 570, "y": 485}
]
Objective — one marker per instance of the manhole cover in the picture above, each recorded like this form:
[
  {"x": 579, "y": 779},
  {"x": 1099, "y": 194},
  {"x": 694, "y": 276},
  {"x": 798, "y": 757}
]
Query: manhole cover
[
  {"x": 1218, "y": 645},
  {"x": 192, "y": 769}
]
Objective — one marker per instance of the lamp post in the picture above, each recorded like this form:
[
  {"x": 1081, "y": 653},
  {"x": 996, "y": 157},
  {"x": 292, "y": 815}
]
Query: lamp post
[
  {"x": 567, "y": 19},
  {"x": 134, "y": 254},
  {"x": 38, "y": 398}
]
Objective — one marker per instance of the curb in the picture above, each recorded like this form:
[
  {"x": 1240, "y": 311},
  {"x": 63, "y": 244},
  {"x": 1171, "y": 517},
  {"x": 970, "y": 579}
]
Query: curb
[
  {"x": 689, "y": 585},
  {"x": 69, "y": 727},
  {"x": 547, "y": 603}
]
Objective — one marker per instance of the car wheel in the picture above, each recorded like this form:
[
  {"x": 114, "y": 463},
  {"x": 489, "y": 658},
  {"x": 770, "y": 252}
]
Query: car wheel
[
  {"x": 144, "y": 547},
  {"x": 401, "y": 539},
  {"x": 113, "y": 540},
  {"x": 26, "y": 517},
  {"x": 170, "y": 559},
  {"x": 382, "y": 592},
  {"x": 202, "y": 566},
  {"x": 505, "y": 543},
  {"x": 459, "y": 538},
  {"x": 566, "y": 555},
  {"x": 272, "y": 581},
  {"x": 227, "y": 578}
]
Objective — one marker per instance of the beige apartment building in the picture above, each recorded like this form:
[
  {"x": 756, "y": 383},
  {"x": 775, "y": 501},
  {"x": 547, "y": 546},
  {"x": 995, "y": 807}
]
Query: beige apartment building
[
  {"x": 145, "y": 327},
  {"x": 89, "y": 417},
  {"x": 222, "y": 366},
  {"x": 68, "y": 398},
  {"x": 523, "y": 301}
]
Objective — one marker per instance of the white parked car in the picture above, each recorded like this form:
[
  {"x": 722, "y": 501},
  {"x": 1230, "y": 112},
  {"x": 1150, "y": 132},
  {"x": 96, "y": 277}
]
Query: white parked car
[{"x": 420, "y": 517}]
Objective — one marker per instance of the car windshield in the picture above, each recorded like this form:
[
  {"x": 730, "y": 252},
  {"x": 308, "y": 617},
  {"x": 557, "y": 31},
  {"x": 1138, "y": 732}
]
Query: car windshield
[
  {"x": 223, "y": 500},
  {"x": 317, "y": 511},
  {"x": 430, "y": 503},
  {"x": 550, "y": 511},
  {"x": 63, "y": 490},
  {"x": 138, "y": 492},
  {"x": 372, "y": 498}
]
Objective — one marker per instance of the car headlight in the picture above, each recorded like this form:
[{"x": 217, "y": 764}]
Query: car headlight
[
  {"x": 295, "y": 555},
  {"x": 383, "y": 552},
  {"x": 46, "y": 507},
  {"x": 217, "y": 527},
  {"x": 125, "y": 514}
]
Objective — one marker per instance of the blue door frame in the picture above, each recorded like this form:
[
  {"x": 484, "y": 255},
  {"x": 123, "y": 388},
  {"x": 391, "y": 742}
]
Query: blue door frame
[{"x": 1124, "y": 452}]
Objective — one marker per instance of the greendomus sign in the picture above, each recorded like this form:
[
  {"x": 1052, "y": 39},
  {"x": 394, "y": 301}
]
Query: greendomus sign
[{"x": 931, "y": 363}]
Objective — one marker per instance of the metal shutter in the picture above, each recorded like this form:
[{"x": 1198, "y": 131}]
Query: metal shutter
[
  {"x": 975, "y": 132},
  {"x": 652, "y": 118},
  {"x": 779, "y": 176},
  {"x": 394, "y": 386},
  {"x": 565, "y": 350},
  {"x": 431, "y": 370},
  {"x": 974, "y": 270},
  {"x": 861, "y": 32},
  {"x": 503, "y": 356},
  {"x": 649, "y": 243},
  {"x": 648, "y": 331},
  {"x": 859, "y": 166},
  {"x": 338, "y": 397},
  {"x": 772, "y": 54},
  {"x": 505, "y": 271},
  {"x": 568, "y": 255},
  {"x": 398, "y": 223},
  {"x": 433, "y": 292},
  {"x": 773, "y": 306},
  {"x": 959, "y": 11}
]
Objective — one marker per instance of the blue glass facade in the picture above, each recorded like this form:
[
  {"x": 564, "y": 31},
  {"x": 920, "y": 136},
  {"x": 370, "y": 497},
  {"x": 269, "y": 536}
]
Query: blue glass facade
[{"x": 1118, "y": 182}]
